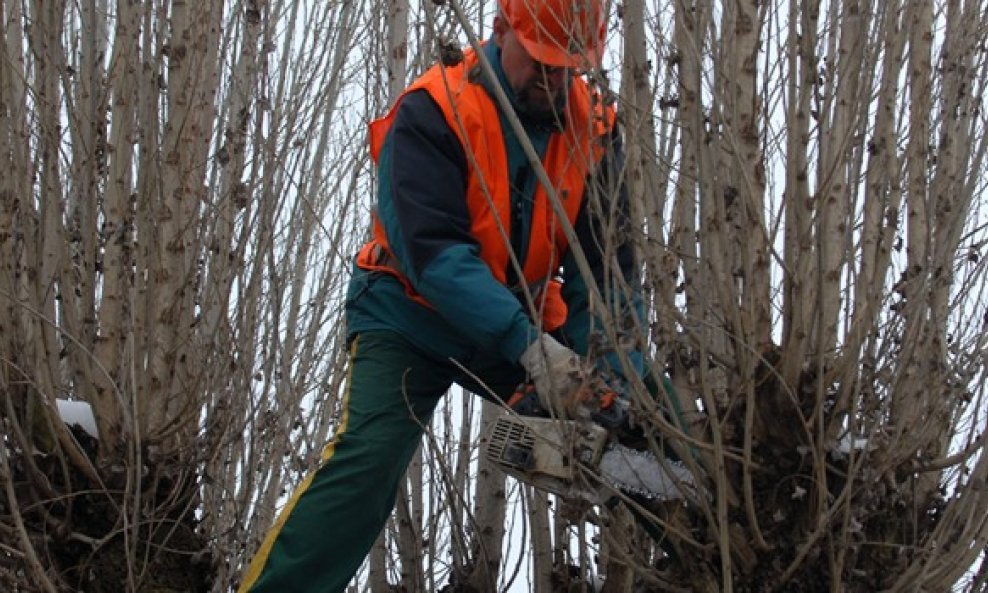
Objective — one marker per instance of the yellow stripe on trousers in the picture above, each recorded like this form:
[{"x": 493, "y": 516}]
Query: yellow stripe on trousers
[{"x": 261, "y": 557}]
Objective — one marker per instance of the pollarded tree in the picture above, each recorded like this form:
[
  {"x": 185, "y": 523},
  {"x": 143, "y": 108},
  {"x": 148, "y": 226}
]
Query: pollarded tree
[
  {"x": 825, "y": 229},
  {"x": 167, "y": 260}
]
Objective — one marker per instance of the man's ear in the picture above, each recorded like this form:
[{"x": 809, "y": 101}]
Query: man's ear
[{"x": 500, "y": 30}]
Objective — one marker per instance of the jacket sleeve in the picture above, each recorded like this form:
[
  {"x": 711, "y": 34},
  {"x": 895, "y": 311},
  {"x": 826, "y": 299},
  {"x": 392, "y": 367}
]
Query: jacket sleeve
[
  {"x": 604, "y": 228},
  {"x": 422, "y": 205}
]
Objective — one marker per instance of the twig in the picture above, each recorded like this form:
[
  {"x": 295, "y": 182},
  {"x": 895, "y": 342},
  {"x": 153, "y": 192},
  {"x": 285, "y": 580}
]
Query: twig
[{"x": 30, "y": 556}]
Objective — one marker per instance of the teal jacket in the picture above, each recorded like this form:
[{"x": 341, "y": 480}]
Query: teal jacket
[{"x": 421, "y": 202}]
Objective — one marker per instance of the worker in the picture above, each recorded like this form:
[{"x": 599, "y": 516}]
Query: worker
[{"x": 469, "y": 277}]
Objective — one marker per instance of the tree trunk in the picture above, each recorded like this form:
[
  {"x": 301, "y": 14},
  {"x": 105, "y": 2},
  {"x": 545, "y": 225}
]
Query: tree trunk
[{"x": 489, "y": 505}]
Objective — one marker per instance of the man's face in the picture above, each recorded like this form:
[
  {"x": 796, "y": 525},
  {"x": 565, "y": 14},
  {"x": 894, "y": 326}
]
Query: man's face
[{"x": 540, "y": 90}]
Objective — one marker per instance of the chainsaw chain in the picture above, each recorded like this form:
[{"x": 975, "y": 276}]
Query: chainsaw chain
[{"x": 675, "y": 481}]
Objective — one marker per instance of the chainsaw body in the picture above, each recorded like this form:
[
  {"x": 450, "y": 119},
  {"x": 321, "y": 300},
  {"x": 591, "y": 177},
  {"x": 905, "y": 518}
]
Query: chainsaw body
[{"x": 547, "y": 453}]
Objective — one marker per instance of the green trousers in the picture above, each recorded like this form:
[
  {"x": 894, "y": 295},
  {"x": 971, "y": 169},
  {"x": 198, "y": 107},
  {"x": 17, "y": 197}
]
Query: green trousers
[{"x": 324, "y": 533}]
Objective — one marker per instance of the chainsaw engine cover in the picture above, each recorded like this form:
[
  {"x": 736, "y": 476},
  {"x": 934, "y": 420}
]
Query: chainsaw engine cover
[{"x": 546, "y": 452}]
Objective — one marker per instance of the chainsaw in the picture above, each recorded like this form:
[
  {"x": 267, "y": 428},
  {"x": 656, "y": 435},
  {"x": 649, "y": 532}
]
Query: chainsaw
[{"x": 582, "y": 458}]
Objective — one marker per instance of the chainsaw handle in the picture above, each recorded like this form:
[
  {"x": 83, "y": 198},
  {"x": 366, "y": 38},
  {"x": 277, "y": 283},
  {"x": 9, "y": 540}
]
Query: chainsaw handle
[
  {"x": 525, "y": 402},
  {"x": 605, "y": 406}
]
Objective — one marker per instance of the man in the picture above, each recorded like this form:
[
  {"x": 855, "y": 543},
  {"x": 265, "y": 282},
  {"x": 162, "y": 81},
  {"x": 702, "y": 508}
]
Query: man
[{"x": 458, "y": 283}]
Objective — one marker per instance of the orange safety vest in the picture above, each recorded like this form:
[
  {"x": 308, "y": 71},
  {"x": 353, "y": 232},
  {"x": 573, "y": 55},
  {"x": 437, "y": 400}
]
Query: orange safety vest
[{"x": 472, "y": 114}]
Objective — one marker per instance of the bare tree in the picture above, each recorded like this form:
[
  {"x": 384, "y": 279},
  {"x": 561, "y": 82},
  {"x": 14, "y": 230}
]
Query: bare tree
[
  {"x": 841, "y": 136},
  {"x": 184, "y": 185},
  {"x": 157, "y": 155}
]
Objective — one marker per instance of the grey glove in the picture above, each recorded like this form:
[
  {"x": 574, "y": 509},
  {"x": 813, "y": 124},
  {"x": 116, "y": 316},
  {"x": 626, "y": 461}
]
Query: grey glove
[{"x": 557, "y": 372}]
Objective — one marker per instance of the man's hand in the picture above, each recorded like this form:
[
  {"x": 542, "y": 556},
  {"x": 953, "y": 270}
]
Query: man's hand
[{"x": 557, "y": 372}]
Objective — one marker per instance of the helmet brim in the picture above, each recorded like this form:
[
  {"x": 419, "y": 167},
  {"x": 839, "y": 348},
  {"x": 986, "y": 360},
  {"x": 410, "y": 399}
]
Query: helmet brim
[{"x": 549, "y": 53}]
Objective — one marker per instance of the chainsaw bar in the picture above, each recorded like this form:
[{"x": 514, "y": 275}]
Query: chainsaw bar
[{"x": 639, "y": 473}]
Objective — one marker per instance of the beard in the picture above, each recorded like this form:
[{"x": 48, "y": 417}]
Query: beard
[{"x": 540, "y": 107}]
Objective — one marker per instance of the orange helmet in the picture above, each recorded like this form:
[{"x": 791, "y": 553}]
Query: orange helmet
[{"x": 564, "y": 33}]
